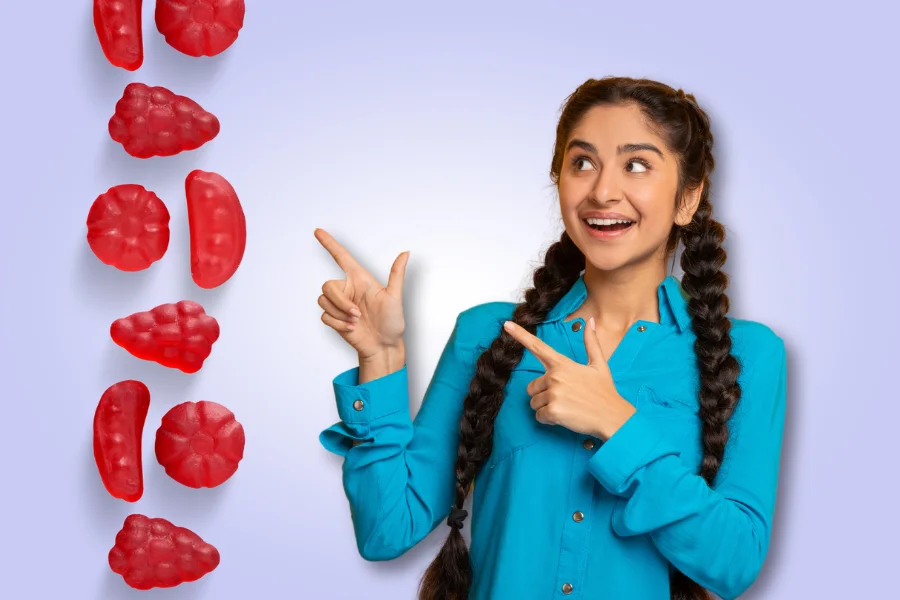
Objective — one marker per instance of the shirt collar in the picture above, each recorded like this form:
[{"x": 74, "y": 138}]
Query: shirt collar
[{"x": 672, "y": 303}]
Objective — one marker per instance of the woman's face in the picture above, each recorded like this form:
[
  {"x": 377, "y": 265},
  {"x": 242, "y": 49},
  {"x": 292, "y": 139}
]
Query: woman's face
[{"x": 614, "y": 164}]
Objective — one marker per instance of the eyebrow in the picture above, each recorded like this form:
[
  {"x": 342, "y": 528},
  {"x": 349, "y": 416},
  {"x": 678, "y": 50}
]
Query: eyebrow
[{"x": 624, "y": 148}]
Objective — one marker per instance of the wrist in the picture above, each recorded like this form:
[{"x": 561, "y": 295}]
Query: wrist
[{"x": 385, "y": 361}]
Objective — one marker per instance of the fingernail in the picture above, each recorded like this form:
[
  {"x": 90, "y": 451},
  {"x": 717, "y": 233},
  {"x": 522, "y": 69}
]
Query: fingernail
[
  {"x": 507, "y": 325},
  {"x": 355, "y": 311},
  {"x": 593, "y": 327}
]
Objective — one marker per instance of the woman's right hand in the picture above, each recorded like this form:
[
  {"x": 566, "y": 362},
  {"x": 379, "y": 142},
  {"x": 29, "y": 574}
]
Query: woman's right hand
[{"x": 378, "y": 324}]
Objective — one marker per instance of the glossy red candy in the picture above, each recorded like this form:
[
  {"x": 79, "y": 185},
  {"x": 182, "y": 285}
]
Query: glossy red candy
[
  {"x": 118, "y": 430},
  {"x": 118, "y": 26},
  {"x": 153, "y": 121},
  {"x": 128, "y": 227},
  {"x": 153, "y": 553},
  {"x": 200, "y": 444},
  {"x": 178, "y": 335},
  {"x": 200, "y": 27},
  {"x": 218, "y": 229}
]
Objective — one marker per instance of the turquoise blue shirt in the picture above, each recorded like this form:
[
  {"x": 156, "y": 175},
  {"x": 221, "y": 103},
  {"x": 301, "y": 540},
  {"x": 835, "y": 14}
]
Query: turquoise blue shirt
[{"x": 557, "y": 514}]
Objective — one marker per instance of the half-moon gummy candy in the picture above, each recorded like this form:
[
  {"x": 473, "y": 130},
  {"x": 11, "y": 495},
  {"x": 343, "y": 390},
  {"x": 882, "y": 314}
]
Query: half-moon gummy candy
[
  {"x": 128, "y": 227},
  {"x": 154, "y": 121},
  {"x": 118, "y": 27},
  {"x": 178, "y": 335},
  {"x": 199, "y": 444},
  {"x": 118, "y": 431},
  {"x": 218, "y": 228}
]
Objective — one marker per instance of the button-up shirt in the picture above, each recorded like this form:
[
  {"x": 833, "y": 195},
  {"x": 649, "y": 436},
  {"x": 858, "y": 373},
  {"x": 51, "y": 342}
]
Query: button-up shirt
[{"x": 562, "y": 515}]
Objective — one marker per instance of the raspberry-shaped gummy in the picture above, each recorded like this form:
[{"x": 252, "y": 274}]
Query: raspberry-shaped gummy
[
  {"x": 153, "y": 121},
  {"x": 178, "y": 335},
  {"x": 155, "y": 553}
]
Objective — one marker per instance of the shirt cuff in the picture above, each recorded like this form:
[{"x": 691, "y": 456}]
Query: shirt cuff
[
  {"x": 377, "y": 398},
  {"x": 635, "y": 444},
  {"x": 367, "y": 402}
]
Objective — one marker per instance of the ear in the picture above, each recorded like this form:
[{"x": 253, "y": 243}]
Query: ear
[{"x": 691, "y": 201}]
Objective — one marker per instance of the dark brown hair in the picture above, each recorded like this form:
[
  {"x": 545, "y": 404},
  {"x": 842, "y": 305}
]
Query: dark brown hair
[{"x": 677, "y": 118}]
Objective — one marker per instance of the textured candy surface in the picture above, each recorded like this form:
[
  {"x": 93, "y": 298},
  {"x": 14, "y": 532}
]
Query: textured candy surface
[
  {"x": 118, "y": 27},
  {"x": 152, "y": 553},
  {"x": 200, "y": 444},
  {"x": 200, "y": 27},
  {"x": 128, "y": 227},
  {"x": 118, "y": 429},
  {"x": 154, "y": 121},
  {"x": 179, "y": 335},
  {"x": 218, "y": 229}
]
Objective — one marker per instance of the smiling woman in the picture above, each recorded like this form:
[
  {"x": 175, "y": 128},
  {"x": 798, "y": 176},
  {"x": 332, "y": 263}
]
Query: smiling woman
[{"x": 625, "y": 431}]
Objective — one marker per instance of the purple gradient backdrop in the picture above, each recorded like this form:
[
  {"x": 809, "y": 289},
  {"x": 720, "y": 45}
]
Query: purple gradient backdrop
[{"x": 406, "y": 127}]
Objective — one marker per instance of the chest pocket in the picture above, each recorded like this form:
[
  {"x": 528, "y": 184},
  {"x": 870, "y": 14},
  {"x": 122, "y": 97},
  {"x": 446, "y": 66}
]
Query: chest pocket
[
  {"x": 516, "y": 427},
  {"x": 679, "y": 420}
]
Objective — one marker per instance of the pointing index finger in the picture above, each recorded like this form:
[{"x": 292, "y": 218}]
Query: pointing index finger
[
  {"x": 543, "y": 351},
  {"x": 340, "y": 254}
]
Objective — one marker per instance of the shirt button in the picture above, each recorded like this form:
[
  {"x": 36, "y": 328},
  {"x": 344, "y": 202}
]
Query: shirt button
[
  {"x": 578, "y": 516},
  {"x": 576, "y": 326},
  {"x": 358, "y": 405},
  {"x": 641, "y": 328},
  {"x": 567, "y": 588},
  {"x": 588, "y": 444}
]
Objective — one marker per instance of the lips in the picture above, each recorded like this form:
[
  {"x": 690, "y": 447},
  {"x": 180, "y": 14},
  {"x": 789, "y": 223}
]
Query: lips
[{"x": 608, "y": 231}]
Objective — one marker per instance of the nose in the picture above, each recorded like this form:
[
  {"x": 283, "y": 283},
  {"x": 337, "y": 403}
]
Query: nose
[{"x": 607, "y": 188}]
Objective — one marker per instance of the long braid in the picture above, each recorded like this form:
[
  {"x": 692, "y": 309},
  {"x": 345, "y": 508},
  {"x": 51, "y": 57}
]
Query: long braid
[
  {"x": 449, "y": 575},
  {"x": 705, "y": 283}
]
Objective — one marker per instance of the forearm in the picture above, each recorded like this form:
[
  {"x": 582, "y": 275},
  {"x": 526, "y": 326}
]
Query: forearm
[{"x": 389, "y": 360}]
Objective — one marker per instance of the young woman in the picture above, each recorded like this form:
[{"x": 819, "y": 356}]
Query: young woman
[{"x": 626, "y": 432}]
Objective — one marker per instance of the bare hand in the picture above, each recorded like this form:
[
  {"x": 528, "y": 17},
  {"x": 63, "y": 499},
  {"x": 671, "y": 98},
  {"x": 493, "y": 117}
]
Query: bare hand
[
  {"x": 582, "y": 398},
  {"x": 367, "y": 315}
]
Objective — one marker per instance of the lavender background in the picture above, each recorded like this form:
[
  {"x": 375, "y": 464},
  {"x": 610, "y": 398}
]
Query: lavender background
[{"x": 430, "y": 129}]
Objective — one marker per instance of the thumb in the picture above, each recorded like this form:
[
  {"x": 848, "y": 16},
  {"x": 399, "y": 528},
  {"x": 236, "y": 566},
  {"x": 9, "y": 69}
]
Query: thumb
[
  {"x": 592, "y": 345},
  {"x": 398, "y": 272}
]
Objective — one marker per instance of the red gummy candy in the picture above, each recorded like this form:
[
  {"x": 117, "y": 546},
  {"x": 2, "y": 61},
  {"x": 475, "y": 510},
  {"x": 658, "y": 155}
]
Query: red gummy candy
[
  {"x": 218, "y": 228},
  {"x": 118, "y": 26},
  {"x": 118, "y": 429},
  {"x": 200, "y": 444},
  {"x": 200, "y": 27},
  {"x": 155, "y": 553},
  {"x": 128, "y": 227},
  {"x": 178, "y": 335},
  {"x": 153, "y": 121}
]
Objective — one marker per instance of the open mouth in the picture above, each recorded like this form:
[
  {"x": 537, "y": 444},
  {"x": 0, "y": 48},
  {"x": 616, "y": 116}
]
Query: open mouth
[{"x": 609, "y": 225}]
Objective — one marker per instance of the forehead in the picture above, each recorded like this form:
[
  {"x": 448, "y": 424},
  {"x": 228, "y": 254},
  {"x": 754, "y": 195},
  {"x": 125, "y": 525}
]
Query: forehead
[{"x": 608, "y": 126}]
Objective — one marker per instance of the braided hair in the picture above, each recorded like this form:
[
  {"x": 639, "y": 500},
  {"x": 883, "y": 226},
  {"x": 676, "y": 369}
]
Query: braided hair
[{"x": 685, "y": 128}]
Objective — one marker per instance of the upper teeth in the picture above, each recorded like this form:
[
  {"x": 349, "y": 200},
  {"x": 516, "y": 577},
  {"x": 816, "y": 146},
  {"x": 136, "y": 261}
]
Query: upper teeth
[{"x": 593, "y": 221}]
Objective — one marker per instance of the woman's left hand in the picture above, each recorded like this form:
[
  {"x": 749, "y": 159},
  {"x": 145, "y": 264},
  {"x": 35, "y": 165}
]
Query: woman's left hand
[{"x": 582, "y": 398}]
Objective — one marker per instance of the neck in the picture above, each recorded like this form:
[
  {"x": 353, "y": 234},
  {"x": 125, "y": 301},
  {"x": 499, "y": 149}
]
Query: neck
[{"x": 616, "y": 299}]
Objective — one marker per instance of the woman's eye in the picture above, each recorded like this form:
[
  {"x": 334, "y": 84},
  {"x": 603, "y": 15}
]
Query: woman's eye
[
  {"x": 640, "y": 163},
  {"x": 580, "y": 160}
]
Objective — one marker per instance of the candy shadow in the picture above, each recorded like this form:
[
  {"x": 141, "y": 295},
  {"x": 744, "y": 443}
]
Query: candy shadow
[
  {"x": 188, "y": 507},
  {"x": 185, "y": 74},
  {"x": 168, "y": 386},
  {"x": 105, "y": 510},
  {"x": 110, "y": 80},
  {"x": 155, "y": 173},
  {"x": 99, "y": 282},
  {"x": 114, "y": 586}
]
